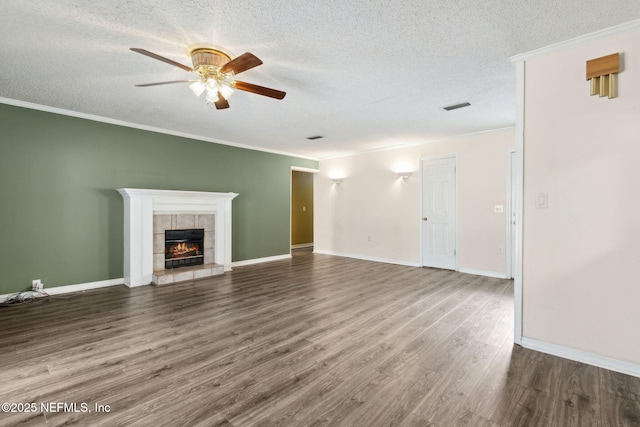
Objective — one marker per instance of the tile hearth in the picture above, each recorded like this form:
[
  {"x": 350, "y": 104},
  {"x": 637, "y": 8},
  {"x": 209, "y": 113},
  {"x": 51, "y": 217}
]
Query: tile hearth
[{"x": 184, "y": 274}]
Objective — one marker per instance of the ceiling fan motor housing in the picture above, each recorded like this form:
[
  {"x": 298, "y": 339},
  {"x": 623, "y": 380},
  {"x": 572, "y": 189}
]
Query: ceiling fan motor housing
[{"x": 208, "y": 57}]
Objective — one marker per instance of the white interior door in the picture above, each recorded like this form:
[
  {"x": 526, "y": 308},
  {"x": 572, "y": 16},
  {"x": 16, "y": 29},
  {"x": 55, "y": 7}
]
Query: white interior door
[{"x": 439, "y": 212}]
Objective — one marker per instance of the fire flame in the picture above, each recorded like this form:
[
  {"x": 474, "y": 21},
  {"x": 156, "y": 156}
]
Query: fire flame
[{"x": 182, "y": 250}]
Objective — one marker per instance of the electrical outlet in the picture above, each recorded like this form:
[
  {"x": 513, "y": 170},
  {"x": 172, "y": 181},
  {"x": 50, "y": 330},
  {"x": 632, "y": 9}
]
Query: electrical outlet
[
  {"x": 36, "y": 285},
  {"x": 500, "y": 250},
  {"x": 368, "y": 238}
]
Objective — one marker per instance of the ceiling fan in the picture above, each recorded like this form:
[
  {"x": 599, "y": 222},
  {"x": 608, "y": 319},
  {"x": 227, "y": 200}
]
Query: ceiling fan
[{"x": 216, "y": 70}]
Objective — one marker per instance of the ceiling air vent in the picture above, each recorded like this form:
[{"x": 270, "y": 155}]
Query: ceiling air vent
[
  {"x": 455, "y": 107},
  {"x": 312, "y": 138}
]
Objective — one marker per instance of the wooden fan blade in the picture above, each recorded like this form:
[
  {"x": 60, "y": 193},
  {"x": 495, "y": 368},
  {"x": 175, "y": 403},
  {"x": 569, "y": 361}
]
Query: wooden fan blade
[
  {"x": 221, "y": 103},
  {"x": 165, "y": 83},
  {"x": 260, "y": 90},
  {"x": 161, "y": 58},
  {"x": 242, "y": 63}
]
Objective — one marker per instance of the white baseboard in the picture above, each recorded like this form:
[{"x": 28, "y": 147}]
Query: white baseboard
[
  {"x": 260, "y": 260},
  {"x": 495, "y": 274},
  {"x": 368, "y": 258},
  {"x": 83, "y": 286},
  {"x": 302, "y": 245},
  {"x": 57, "y": 290},
  {"x": 582, "y": 356}
]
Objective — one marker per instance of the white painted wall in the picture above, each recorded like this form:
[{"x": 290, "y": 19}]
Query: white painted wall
[
  {"x": 376, "y": 215},
  {"x": 580, "y": 288}
]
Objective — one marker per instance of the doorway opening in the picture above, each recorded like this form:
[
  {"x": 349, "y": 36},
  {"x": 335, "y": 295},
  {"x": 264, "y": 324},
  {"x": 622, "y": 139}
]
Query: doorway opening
[{"x": 302, "y": 181}]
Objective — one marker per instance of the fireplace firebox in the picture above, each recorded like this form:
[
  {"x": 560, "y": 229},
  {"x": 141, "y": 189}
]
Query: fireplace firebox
[{"x": 183, "y": 248}]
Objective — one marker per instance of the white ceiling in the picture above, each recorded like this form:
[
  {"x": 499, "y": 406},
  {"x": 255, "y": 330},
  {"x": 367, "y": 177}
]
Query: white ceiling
[{"x": 365, "y": 74}]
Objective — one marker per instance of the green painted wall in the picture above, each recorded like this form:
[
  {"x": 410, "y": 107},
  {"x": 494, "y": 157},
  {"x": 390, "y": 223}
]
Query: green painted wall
[{"x": 61, "y": 218}]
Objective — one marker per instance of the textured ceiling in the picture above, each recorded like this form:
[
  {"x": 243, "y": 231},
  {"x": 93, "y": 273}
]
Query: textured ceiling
[{"x": 364, "y": 74}]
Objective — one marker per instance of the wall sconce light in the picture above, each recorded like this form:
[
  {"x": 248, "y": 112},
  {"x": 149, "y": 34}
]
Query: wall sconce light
[
  {"x": 337, "y": 180},
  {"x": 404, "y": 175},
  {"x": 602, "y": 75}
]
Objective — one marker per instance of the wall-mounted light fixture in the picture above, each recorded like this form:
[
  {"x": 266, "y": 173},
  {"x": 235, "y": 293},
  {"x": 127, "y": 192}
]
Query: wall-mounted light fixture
[
  {"x": 403, "y": 169},
  {"x": 337, "y": 176},
  {"x": 602, "y": 75}
]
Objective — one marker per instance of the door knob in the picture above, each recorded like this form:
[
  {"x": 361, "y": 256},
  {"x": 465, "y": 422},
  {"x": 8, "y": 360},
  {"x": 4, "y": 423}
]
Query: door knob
[{"x": 424, "y": 218}]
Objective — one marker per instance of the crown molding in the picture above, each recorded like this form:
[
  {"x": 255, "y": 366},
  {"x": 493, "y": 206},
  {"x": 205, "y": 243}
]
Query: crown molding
[
  {"x": 76, "y": 114},
  {"x": 579, "y": 41}
]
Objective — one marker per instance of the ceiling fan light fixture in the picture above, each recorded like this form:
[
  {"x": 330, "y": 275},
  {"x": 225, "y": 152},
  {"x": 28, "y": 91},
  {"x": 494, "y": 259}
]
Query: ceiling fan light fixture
[
  {"x": 226, "y": 90},
  {"x": 212, "y": 97},
  {"x": 212, "y": 85},
  {"x": 197, "y": 88}
]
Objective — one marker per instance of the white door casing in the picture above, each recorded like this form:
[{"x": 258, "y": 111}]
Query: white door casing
[
  {"x": 512, "y": 186},
  {"x": 315, "y": 173},
  {"x": 439, "y": 212}
]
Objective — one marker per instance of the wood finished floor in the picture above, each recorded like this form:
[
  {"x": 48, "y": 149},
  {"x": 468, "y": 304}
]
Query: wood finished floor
[{"x": 312, "y": 341}]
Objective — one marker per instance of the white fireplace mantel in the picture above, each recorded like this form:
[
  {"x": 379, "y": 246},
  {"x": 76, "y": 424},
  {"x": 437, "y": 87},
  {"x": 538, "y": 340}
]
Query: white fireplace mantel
[{"x": 139, "y": 207}]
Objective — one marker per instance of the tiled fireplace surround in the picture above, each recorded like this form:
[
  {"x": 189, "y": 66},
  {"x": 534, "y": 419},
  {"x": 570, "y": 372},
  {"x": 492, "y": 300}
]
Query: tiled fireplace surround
[
  {"x": 161, "y": 223},
  {"x": 148, "y": 213}
]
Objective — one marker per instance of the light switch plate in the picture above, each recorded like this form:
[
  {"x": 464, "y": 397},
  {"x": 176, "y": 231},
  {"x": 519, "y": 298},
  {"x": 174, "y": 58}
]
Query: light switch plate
[{"x": 542, "y": 200}]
